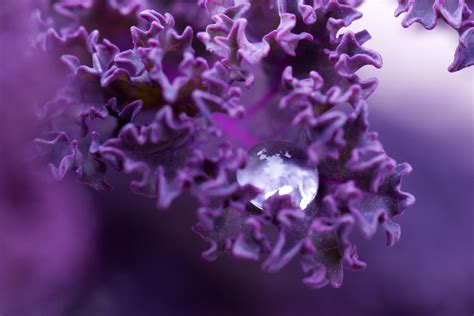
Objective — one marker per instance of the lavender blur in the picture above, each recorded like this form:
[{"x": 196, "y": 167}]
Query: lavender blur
[
  {"x": 47, "y": 229},
  {"x": 149, "y": 95}
]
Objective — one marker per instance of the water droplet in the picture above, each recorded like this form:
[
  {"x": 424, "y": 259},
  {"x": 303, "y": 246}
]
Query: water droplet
[{"x": 280, "y": 167}]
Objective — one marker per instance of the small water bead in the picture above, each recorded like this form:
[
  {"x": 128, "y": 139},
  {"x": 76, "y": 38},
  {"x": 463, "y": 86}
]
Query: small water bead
[{"x": 280, "y": 167}]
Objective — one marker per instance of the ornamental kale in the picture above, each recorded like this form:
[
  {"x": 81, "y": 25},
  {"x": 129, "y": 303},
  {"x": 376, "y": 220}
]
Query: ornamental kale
[
  {"x": 458, "y": 14},
  {"x": 175, "y": 93}
]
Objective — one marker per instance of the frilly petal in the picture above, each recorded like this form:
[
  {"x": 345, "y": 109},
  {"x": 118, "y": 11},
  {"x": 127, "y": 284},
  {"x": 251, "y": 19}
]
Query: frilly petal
[
  {"x": 458, "y": 14},
  {"x": 464, "y": 55}
]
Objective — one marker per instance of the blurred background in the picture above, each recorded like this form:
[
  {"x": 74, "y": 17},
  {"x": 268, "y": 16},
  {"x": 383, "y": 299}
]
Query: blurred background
[{"x": 114, "y": 254}]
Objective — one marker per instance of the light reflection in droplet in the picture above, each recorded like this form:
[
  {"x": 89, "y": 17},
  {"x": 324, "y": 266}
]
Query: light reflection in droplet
[{"x": 280, "y": 167}]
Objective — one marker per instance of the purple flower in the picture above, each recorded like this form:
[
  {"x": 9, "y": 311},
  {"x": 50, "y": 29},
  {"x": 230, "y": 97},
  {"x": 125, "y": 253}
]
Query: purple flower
[
  {"x": 179, "y": 112},
  {"x": 458, "y": 14}
]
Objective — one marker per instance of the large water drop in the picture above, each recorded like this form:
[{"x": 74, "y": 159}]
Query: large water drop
[{"x": 280, "y": 167}]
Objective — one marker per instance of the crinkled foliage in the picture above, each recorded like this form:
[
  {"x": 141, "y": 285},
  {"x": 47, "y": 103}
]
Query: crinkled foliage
[
  {"x": 172, "y": 105},
  {"x": 458, "y": 14}
]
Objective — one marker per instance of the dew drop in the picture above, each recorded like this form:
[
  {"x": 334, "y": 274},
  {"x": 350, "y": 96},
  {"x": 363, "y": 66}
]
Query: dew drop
[{"x": 280, "y": 167}]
